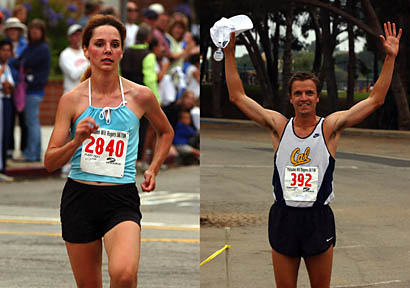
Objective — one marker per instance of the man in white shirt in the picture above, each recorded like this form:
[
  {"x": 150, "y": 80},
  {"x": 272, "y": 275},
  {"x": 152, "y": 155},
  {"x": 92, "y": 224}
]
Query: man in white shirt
[
  {"x": 72, "y": 60},
  {"x": 130, "y": 26}
]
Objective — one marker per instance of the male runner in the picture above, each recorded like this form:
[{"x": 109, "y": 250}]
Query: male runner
[{"x": 301, "y": 223}]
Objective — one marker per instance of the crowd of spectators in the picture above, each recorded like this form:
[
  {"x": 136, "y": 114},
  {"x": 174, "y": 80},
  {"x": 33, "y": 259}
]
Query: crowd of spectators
[{"x": 160, "y": 52}]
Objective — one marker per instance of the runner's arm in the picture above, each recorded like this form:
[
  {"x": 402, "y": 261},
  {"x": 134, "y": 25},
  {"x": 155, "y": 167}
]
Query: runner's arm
[
  {"x": 357, "y": 113},
  {"x": 265, "y": 117},
  {"x": 165, "y": 135},
  {"x": 59, "y": 151}
]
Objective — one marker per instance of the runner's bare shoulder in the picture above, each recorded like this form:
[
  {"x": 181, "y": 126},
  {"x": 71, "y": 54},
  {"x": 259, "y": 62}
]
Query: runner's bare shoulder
[
  {"x": 138, "y": 94},
  {"x": 75, "y": 100}
]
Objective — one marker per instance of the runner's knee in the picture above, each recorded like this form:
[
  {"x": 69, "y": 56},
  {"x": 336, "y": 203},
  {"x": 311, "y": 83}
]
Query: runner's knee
[{"x": 123, "y": 276}]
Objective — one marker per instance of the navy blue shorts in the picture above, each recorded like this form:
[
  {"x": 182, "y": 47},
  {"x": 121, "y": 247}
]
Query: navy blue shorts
[
  {"x": 301, "y": 232},
  {"x": 89, "y": 211}
]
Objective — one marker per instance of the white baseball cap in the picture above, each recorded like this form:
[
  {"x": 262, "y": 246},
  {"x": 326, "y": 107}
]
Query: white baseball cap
[
  {"x": 158, "y": 8},
  {"x": 220, "y": 32},
  {"x": 14, "y": 22},
  {"x": 241, "y": 23},
  {"x": 74, "y": 28}
]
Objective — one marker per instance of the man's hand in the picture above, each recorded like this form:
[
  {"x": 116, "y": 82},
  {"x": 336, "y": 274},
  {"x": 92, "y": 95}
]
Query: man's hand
[
  {"x": 391, "y": 42},
  {"x": 230, "y": 48}
]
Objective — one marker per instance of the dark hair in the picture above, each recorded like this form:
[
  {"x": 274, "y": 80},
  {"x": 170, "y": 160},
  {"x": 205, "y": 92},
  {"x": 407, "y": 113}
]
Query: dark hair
[
  {"x": 91, "y": 7},
  {"x": 109, "y": 10},
  {"x": 153, "y": 43},
  {"x": 39, "y": 24},
  {"x": 97, "y": 21},
  {"x": 143, "y": 33},
  {"x": 6, "y": 42},
  {"x": 194, "y": 58},
  {"x": 302, "y": 76}
]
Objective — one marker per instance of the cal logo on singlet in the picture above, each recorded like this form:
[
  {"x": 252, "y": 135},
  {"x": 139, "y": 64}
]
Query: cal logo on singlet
[{"x": 303, "y": 173}]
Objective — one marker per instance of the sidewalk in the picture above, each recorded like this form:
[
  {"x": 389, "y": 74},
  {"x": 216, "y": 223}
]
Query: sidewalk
[{"x": 34, "y": 169}]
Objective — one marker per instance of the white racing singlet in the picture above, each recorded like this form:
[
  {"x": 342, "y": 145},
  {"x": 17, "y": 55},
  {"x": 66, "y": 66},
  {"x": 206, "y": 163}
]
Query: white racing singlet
[{"x": 303, "y": 172}]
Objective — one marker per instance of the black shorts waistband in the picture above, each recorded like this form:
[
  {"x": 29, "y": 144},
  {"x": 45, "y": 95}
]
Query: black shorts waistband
[
  {"x": 106, "y": 188},
  {"x": 315, "y": 206}
]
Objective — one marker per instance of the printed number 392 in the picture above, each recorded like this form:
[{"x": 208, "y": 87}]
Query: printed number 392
[
  {"x": 99, "y": 147},
  {"x": 299, "y": 179}
]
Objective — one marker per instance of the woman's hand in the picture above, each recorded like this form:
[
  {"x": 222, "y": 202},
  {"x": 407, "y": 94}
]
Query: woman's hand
[
  {"x": 84, "y": 129},
  {"x": 149, "y": 184}
]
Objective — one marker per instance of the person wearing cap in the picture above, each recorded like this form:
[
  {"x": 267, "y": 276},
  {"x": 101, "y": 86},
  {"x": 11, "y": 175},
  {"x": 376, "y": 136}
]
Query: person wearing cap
[
  {"x": 130, "y": 26},
  {"x": 157, "y": 7},
  {"x": 15, "y": 31},
  {"x": 149, "y": 17},
  {"x": 72, "y": 60}
]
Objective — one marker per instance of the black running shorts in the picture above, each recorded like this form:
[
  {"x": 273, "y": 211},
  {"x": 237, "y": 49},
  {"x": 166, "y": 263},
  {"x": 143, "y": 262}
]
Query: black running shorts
[
  {"x": 89, "y": 211},
  {"x": 301, "y": 232}
]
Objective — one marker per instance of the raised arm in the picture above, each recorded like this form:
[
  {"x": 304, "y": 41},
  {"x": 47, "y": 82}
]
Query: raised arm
[
  {"x": 268, "y": 118},
  {"x": 357, "y": 113}
]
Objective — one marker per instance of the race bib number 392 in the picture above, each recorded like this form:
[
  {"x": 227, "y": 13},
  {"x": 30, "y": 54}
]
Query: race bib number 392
[
  {"x": 301, "y": 183},
  {"x": 104, "y": 153}
]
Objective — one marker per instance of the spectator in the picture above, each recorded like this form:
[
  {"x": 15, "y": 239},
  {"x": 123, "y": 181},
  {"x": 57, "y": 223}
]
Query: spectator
[
  {"x": 1, "y": 25},
  {"x": 15, "y": 31},
  {"x": 149, "y": 17},
  {"x": 184, "y": 134},
  {"x": 157, "y": 7},
  {"x": 20, "y": 12},
  {"x": 6, "y": 104},
  {"x": 132, "y": 28},
  {"x": 193, "y": 75},
  {"x": 185, "y": 103},
  {"x": 161, "y": 26},
  {"x": 36, "y": 63},
  {"x": 166, "y": 89},
  {"x": 138, "y": 65},
  {"x": 110, "y": 10},
  {"x": 72, "y": 60},
  {"x": 91, "y": 8},
  {"x": 175, "y": 36},
  {"x": 196, "y": 114}
]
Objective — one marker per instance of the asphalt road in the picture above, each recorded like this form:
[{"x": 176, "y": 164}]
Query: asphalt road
[
  {"x": 32, "y": 252},
  {"x": 371, "y": 207}
]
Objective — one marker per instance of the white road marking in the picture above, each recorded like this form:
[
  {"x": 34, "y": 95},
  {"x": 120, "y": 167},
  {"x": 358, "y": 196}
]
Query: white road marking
[
  {"x": 166, "y": 197},
  {"x": 367, "y": 284}
]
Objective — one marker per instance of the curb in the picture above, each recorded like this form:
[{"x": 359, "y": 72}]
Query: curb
[
  {"x": 30, "y": 171},
  {"x": 215, "y": 122}
]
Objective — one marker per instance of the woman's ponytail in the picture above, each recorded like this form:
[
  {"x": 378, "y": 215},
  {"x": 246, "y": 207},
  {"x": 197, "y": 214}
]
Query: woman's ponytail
[{"x": 86, "y": 74}]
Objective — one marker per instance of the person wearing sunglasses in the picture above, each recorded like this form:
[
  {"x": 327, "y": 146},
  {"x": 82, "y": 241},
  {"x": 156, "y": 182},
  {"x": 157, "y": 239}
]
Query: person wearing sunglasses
[{"x": 130, "y": 26}]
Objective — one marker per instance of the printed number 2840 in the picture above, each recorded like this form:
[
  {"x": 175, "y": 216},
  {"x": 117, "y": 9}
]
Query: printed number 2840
[{"x": 100, "y": 147}]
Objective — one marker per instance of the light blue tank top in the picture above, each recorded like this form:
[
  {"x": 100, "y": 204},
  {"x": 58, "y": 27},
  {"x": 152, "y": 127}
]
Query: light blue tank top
[{"x": 115, "y": 118}]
